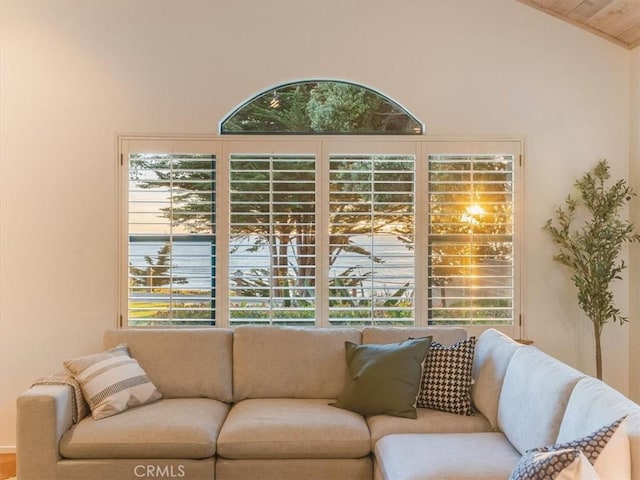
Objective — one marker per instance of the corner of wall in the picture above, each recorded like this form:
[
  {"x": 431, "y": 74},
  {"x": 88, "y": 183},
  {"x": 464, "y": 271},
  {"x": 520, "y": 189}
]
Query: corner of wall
[{"x": 634, "y": 214}]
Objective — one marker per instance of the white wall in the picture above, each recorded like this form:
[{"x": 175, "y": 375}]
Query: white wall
[
  {"x": 634, "y": 267},
  {"x": 75, "y": 73}
]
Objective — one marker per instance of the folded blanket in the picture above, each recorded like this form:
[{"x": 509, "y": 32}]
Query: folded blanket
[{"x": 79, "y": 407}]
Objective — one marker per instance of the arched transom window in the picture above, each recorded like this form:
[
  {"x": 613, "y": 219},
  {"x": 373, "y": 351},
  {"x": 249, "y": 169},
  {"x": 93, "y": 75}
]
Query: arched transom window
[{"x": 321, "y": 107}]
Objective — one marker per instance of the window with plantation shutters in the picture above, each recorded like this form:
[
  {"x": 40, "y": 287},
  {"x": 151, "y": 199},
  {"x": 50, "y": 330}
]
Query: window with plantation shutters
[
  {"x": 171, "y": 239},
  {"x": 471, "y": 239},
  {"x": 272, "y": 239},
  {"x": 321, "y": 231},
  {"x": 371, "y": 239}
]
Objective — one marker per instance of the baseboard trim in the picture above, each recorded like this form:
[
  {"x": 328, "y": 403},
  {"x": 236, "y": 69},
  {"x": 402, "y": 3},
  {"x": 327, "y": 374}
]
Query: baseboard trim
[{"x": 8, "y": 449}]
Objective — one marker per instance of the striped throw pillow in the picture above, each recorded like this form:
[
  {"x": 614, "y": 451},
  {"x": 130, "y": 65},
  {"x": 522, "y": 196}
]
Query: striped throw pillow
[{"x": 112, "y": 381}]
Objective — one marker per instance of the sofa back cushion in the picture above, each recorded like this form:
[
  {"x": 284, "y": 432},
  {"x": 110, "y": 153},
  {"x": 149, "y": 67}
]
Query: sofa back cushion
[
  {"x": 594, "y": 404},
  {"x": 491, "y": 358},
  {"x": 445, "y": 335},
  {"x": 534, "y": 396},
  {"x": 182, "y": 362},
  {"x": 289, "y": 362}
]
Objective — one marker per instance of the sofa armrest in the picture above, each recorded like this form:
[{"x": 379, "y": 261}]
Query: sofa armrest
[{"x": 44, "y": 414}]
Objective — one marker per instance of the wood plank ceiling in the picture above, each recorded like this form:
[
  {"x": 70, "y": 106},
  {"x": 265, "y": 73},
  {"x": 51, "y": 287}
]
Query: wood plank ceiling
[{"x": 615, "y": 20}]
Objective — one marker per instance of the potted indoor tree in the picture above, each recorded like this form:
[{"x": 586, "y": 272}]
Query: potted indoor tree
[{"x": 590, "y": 234}]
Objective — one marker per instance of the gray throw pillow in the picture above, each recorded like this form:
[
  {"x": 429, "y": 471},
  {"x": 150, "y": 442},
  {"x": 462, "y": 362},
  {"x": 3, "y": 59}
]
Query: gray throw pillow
[{"x": 384, "y": 378}]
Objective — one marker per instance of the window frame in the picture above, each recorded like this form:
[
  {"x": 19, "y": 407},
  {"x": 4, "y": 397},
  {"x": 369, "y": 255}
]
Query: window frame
[{"x": 322, "y": 146}]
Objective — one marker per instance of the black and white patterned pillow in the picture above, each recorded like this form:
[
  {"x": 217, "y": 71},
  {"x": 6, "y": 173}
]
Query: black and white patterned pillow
[
  {"x": 446, "y": 378},
  {"x": 570, "y": 463},
  {"x": 592, "y": 445},
  {"x": 609, "y": 459}
]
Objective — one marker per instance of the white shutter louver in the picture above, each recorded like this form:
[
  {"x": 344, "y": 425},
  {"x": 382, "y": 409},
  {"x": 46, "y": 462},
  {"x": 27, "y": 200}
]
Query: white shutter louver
[
  {"x": 371, "y": 240},
  {"x": 471, "y": 239},
  {"x": 272, "y": 256},
  {"x": 171, "y": 239}
]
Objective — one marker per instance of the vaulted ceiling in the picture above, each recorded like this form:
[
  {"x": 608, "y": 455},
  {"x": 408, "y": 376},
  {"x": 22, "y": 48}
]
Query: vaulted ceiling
[{"x": 615, "y": 20}]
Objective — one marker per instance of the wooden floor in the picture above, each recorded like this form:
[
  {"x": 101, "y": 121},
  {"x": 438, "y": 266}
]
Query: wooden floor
[{"x": 7, "y": 465}]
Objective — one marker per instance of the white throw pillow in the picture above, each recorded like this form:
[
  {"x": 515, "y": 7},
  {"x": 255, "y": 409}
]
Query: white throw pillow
[
  {"x": 615, "y": 459},
  {"x": 112, "y": 381}
]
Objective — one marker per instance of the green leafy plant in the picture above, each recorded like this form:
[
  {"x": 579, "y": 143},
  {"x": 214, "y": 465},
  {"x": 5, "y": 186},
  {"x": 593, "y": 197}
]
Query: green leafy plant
[{"x": 590, "y": 234}]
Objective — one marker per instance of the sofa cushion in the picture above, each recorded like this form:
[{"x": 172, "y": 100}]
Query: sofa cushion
[
  {"x": 481, "y": 456},
  {"x": 182, "y": 363},
  {"x": 444, "y": 335},
  {"x": 593, "y": 404},
  {"x": 112, "y": 381},
  {"x": 491, "y": 358},
  {"x": 168, "y": 428},
  {"x": 428, "y": 421},
  {"x": 446, "y": 378},
  {"x": 384, "y": 378},
  {"x": 292, "y": 428},
  {"x": 288, "y": 362},
  {"x": 534, "y": 397}
]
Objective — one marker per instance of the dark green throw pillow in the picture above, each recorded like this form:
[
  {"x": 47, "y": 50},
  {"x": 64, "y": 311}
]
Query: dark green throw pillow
[{"x": 384, "y": 378}]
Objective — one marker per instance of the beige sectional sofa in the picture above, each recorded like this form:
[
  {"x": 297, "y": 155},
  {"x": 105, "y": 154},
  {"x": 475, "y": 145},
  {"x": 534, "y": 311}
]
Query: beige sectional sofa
[{"x": 253, "y": 403}]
